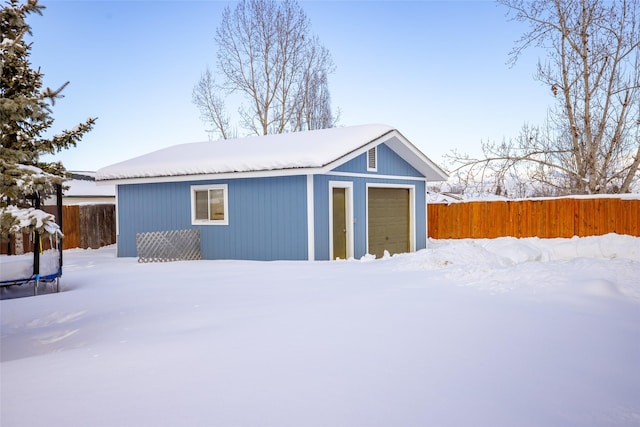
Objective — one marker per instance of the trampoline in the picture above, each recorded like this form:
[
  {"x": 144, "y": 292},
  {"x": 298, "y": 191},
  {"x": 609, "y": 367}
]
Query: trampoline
[
  {"x": 18, "y": 270},
  {"x": 39, "y": 266}
]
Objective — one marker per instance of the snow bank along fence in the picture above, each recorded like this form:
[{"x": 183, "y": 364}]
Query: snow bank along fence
[
  {"x": 163, "y": 246},
  {"x": 84, "y": 226},
  {"x": 546, "y": 218}
]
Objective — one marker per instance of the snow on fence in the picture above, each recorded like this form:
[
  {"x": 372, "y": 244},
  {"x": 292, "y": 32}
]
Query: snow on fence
[
  {"x": 162, "y": 246},
  {"x": 84, "y": 226},
  {"x": 545, "y": 218}
]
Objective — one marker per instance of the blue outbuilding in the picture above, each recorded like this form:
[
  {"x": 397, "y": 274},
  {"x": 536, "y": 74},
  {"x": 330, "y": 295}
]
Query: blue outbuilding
[{"x": 315, "y": 195}]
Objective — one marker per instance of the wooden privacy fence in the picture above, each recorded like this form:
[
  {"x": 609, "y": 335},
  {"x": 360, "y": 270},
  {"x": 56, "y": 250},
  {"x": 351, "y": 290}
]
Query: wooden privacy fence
[
  {"x": 83, "y": 226},
  {"x": 546, "y": 218},
  {"x": 89, "y": 226}
]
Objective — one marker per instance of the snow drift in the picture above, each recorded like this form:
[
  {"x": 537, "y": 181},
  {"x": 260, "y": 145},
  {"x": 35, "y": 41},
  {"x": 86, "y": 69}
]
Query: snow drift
[{"x": 501, "y": 332}]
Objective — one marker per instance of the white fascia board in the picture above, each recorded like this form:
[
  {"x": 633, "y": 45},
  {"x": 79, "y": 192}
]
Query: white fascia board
[
  {"x": 417, "y": 158},
  {"x": 311, "y": 231},
  {"x": 210, "y": 177}
]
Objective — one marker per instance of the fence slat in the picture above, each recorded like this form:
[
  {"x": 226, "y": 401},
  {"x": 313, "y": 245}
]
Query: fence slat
[{"x": 71, "y": 227}]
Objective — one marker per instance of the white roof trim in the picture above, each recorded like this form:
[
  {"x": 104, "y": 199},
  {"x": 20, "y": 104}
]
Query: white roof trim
[
  {"x": 404, "y": 149},
  {"x": 213, "y": 176}
]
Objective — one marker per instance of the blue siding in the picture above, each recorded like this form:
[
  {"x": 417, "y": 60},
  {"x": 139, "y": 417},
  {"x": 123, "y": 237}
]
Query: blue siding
[
  {"x": 321, "y": 214},
  {"x": 267, "y": 217},
  {"x": 389, "y": 163},
  {"x": 150, "y": 207}
]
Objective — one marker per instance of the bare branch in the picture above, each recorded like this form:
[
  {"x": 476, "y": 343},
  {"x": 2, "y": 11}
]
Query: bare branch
[
  {"x": 211, "y": 106},
  {"x": 590, "y": 140}
]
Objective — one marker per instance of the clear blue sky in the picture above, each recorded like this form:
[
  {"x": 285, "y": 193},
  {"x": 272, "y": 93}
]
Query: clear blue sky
[{"x": 434, "y": 70}]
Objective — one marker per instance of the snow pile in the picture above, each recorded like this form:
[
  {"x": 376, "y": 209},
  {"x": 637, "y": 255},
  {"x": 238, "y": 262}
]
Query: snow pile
[
  {"x": 510, "y": 251},
  {"x": 502, "y": 332}
]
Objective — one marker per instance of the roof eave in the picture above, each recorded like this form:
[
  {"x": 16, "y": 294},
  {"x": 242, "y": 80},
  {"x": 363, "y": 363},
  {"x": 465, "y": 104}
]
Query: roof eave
[
  {"x": 418, "y": 159},
  {"x": 210, "y": 176}
]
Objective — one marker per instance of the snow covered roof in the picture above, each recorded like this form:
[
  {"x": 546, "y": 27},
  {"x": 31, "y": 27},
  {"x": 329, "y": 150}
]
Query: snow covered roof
[
  {"x": 314, "y": 151},
  {"x": 82, "y": 184}
]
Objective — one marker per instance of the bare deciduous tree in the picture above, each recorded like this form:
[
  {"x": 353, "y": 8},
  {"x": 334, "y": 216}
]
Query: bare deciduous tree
[
  {"x": 267, "y": 54},
  {"x": 211, "y": 105},
  {"x": 315, "y": 109},
  {"x": 590, "y": 142}
]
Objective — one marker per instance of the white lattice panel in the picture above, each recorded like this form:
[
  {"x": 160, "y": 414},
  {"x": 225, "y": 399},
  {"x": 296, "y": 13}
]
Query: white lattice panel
[{"x": 164, "y": 246}]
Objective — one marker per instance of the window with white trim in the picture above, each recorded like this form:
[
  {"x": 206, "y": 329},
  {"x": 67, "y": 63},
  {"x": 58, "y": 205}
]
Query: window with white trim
[
  {"x": 209, "y": 204},
  {"x": 372, "y": 159}
]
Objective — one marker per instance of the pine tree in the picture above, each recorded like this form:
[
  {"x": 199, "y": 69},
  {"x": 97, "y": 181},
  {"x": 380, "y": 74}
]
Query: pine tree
[{"x": 25, "y": 116}]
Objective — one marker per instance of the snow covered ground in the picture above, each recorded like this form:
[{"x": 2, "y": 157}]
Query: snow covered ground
[{"x": 500, "y": 332}]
